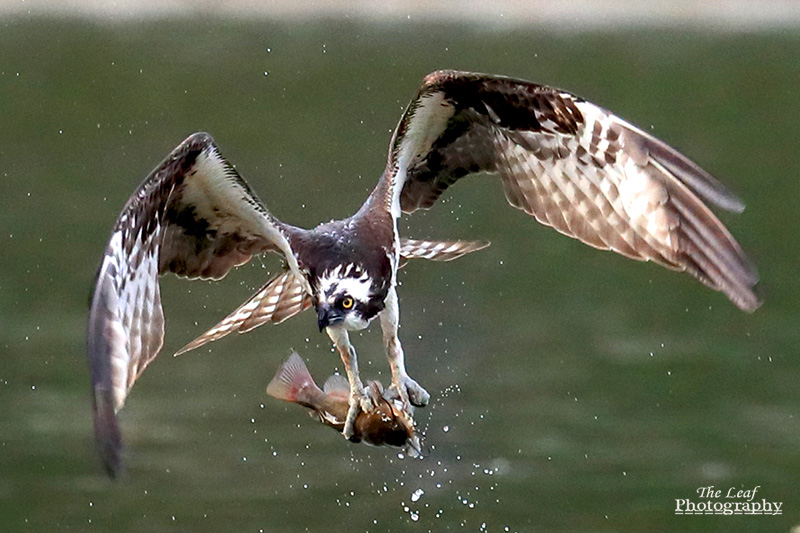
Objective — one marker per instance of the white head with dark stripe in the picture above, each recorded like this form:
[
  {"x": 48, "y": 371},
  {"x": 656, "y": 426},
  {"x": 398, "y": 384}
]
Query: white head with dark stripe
[{"x": 347, "y": 296}]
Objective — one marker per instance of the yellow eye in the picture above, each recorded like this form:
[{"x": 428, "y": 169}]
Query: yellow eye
[{"x": 347, "y": 303}]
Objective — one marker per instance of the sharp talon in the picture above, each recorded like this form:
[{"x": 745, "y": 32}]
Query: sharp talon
[
  {"x": 367, "y": 404},
  {"x": 419, "y": 397},
  {"x": 411, "y": 392},
  {"x": 402, "y": 392},
  {"x": 349, "y": 422},
  {"x": 359, "y": 402}
]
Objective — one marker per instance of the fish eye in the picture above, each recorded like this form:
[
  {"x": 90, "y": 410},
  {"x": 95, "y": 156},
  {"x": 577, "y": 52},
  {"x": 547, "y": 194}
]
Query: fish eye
[{"x": 347, "y": 302}]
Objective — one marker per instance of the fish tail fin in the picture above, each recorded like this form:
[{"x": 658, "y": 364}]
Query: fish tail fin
[{"x": 292, "y": 379}]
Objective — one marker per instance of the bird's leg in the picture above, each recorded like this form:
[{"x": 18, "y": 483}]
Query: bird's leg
[
  {"x": 291, "y": 260},
  {"x": 408, "y": 389},
  {"x": 358, "y": 401}
]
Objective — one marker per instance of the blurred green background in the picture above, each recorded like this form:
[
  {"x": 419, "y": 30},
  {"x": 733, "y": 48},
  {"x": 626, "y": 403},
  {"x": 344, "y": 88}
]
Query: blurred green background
[{"x": 572, "y": 389}]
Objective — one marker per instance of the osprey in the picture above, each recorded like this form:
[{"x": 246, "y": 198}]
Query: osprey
[{"x": 570, "y": 164}]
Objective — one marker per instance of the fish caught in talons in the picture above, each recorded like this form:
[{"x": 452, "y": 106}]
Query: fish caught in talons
[{"x": 390, "y": 422}]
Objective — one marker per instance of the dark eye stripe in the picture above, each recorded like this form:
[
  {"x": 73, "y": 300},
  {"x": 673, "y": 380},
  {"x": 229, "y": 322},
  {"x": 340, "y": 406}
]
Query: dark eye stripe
[{"x": 332, "y": 289}]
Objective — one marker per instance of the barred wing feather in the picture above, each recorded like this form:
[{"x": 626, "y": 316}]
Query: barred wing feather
[
  {"x": 194, "y": 216},
  {"x": 573, "y": 166}
]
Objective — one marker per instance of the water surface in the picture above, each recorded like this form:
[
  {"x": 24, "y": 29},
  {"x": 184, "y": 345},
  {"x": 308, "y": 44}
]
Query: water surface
[{"x": 572, "y": 389}]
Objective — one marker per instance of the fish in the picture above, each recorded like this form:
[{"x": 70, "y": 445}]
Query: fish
[{"x": 389, "y": 423}]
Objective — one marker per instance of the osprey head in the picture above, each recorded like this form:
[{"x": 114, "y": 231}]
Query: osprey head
[{"x": 348, "y": 297}]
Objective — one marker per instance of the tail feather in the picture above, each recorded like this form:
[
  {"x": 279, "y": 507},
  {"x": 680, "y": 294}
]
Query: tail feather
[{"x": 438, "y": 250}]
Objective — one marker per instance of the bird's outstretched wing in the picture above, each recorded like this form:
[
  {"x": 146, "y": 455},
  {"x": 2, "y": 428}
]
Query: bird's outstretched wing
[
  {"x": 194, "y": 216},
  {"x": 279, "y": 299},
  {"x": 573, "y": 166}
]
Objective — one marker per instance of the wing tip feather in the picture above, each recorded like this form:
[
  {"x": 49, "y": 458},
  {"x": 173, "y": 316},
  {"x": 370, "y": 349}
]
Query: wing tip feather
[
  {"x": 680, "y": 167},
  {"x": 107, "y": 434}
]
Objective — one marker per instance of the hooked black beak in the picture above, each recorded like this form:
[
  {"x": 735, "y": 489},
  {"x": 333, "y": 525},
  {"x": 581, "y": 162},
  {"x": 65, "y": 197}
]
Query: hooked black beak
[{"x": 327, "y": 316}]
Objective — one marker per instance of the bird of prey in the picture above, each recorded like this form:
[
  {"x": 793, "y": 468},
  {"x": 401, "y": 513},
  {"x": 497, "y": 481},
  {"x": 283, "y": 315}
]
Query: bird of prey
[{"x": 570, "y": 164}]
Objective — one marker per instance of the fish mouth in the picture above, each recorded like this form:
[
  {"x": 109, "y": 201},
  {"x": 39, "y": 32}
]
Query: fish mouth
[{"x": 328, "y": 317}]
